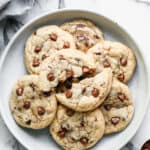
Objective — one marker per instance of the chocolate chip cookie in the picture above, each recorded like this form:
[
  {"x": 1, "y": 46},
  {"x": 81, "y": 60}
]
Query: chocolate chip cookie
[
  {"x": 75, "y": 130},
  {"x": 85, "y": 33},
  {"x": 88, "y": 94},
  {"x": 30, "y": 107},
  {"x": 42, "y": 43},
  {"x": 116, "y": 56},
  {"x": 63, "y": 65},
  {"x": 118, "y": 108}
]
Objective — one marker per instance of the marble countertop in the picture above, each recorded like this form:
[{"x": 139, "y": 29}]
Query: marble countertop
[{"x": 133, "y": 15}]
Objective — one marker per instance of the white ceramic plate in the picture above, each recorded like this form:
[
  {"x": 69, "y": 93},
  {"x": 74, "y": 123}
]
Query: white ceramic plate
[{"x": 12, "y": 68}]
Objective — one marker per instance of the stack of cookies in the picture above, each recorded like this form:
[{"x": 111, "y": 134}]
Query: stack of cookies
[{"x": 77, "y": 84}]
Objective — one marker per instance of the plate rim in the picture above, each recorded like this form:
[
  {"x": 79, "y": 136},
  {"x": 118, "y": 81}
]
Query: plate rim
[{"x": 44, "y": 14}]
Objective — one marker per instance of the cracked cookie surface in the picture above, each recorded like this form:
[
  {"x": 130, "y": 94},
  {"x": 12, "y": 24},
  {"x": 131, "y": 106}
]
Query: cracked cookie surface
[
  {"x": 89, "y": 93},
  {"x": 85, "y": 33},
  {"x": 30, "y": 107},
  {"x": 44, "y": 42},
  {"x": 116, "y": 56},
  {"x": 118, "y": 108},
  {"x": 63, "y": 65},
  {"x": 77, "y": 131}
]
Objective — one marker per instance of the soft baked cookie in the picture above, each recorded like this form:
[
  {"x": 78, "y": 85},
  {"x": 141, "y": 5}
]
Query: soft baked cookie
[
  {"x": 63, "y": 65},
  {"x": 42, "y": 43},
  {"x": 88, "y": 94},
  {"x": 75, "y": 130},
  {"x": 85, "y": 33},
  {"x": 30, "y": 107},
  {"x": 118, "y": 108},
  {"x": 116, "y": 56}
]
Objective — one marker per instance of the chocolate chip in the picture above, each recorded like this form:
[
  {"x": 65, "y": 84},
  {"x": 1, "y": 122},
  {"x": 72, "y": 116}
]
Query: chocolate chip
[
  {"x": 120, "y": 77},
  {"x": 46, "y": 94},
  {"x": 28, "y": 122},
  {"x": 37, "y": 49},
  {"x": 41, "y": 110},
  {"x": 95, "y": 92},
  {"x": 35, "y": 62},
  {"x": 69, "y": 73},
  {"x": 96, "y": 36},
  {"x": 115, "y": 120},
  {"x": 85, "y": 69},
  {"x": 80, "y": 25},
  {"x": 53, "y": 36},
  {"x": 146, "y": 145},
  {"x": 50, "y": 76},
  {"x": 70, "y": 112},
  {"x": 43, "y": 57},
  {"x": 68, "y": 94},
  {"x": 84, "y": 140},
  {"x": 121, "y": 96},
  {"x": 62, "y": 132},
  {"x": 32, "y": 85},
  {"x": 97, "y": 53},
  {"x": 107, "y": 106},
  {"x": 19, "y": 91},
  {"x": 34, "y": 33},
  {"x": 66, "y": 45},
  {"x": 123, "y": 61},
  {"x": 106, "y": 63},
  {"x": 26, "y": 105}
]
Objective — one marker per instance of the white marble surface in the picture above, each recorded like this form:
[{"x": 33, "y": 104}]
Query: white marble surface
[{"x": 133, "y": 15}]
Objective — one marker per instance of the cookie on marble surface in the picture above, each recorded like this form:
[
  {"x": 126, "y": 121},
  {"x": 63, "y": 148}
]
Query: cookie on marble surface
[
  {"x": 116, "y": 56},
  {"x": 118, "y": 108},
  {"x": 44, "y": 42},
  {"x": 75, "y": 130},
  {"x": 85, "y": 33},
  {"x": 30, "y": 107},
  {"x": 63, "y": 65},
  {"x": 88, "y": 94}
]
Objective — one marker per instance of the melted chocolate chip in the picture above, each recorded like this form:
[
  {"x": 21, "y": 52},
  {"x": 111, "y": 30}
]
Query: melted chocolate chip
[
  {"x": 106, "y": 63},
  {"x": 66, "y": 45},
  {"x": 26, "y": 105},
  {"x": 84, "y": 140},
  {"x": 70, "y": 112},
  {"x": 123, "y": 61},
  {"x": 107, "y": 107},
  {"x": 53, "y": 37},
  {"x": 43, "y": 57},
  {"x": 68, "y": 94},
  {"x": 28, "y": 122},
  {"x": 95, "y": 92},
  {"x": 120, "y": 77},
  {"x": 40, "y": 110},
  {"x": 50, "y": 77},
  {"x": 115, "y": 120},
  {"x": 35, "y": 62},
  {"x": 37, "y": 49},
  {"x": 121, "y": 96},
  {"x": 19, "y": 91},
  {"x": 62, "y": 132},
  {"x": 85, "y": 69}
]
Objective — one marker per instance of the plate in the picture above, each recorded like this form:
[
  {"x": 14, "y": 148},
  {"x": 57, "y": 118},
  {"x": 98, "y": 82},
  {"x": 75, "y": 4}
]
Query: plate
[{"x": 12, "y": 68}]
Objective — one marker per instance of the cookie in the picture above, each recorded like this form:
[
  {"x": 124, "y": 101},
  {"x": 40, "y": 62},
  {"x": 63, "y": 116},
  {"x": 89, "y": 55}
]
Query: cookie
[
  {"x": 85, "y": 33},
  {"x": 42, "y": 43},
  {"x": 63, "y": 65},
  {"x": 30, "y": 107},
  {"x": 116, "y": 56},
  {"x": 88, "y": 94},
  {"x": 118, "y": 108},
  {"x": 77, "y": 131}
]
